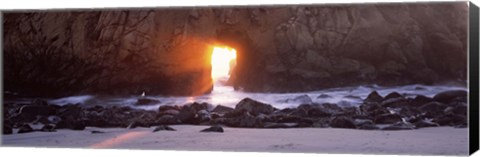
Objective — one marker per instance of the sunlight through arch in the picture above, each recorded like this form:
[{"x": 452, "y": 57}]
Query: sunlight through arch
[{"x": 223, "y": 58}]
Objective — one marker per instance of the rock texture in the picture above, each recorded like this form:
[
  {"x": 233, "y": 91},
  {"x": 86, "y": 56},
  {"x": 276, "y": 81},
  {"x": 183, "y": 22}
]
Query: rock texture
[{"x": 280, "y": 48}]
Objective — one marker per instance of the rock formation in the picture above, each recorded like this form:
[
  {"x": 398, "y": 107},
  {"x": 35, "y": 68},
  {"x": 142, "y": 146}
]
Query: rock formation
[{"x": 280, "y": 48}]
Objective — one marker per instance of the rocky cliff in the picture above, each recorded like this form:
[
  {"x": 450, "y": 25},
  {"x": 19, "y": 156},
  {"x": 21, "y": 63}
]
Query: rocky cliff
[{"x": 280, "y": 48}]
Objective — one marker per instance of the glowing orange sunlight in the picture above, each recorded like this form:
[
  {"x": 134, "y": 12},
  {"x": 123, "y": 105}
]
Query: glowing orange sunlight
[{"x": 221, "y": 59}]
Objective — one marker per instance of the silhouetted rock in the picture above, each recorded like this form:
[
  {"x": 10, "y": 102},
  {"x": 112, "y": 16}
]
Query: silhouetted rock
[
  {"x": 163, "y": 127},
  {"x": 450, "y": 119},
  {"x": 97, "y": 132},
  {"x": 374, "y": 97},
  {"x": 168, "y": 119},
  {"x": 146, "y": 101},
  {"x": 395, "y": 102},
  {"x": 433, "y": 109},
  {"x": 222, "y": 109},
  {"x": 420, "y": 100},
  {"x": 393, "y": 95},
  {"x": 29, "y": 113},
  {"x": 302, "y": 99},
  {"x": 254, "y": 107},
  {"x": 167, "y": 107},
  {"x": 447, "y": 96},
  {"x": 323, "y": 96},
  {"x": 213, "y": 129},
  {"x": 188, "y": 115},
  {"x": 342, "y": 122}
]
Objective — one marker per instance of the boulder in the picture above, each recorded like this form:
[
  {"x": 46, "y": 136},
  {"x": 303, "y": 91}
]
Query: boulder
[
  {"x": 188, "y": 115},
  {"x": 450, "y": 120},
  {"x": 433, "y": 109},
  {"x": 342, "y": 122},
  {"x": 146, "y": 101},
  {"x": 374, "y": 97},
  {"x": 222, "y": 109},
  {"x": 168, "y": 119},
  {"x": 254, "y": 107},
  {"x": 169, "y": 112},
  {"x": 420, "y": 100},
  {"x": 447, "y": 96},
  {"x": 393, "y": 95},
  {"x": 29, "y": 113},
  {"x": 395, "y": 102},
  {"x": 199, "y": 106},
  {"x": 166, "y": 107},
  {"x": 163, "y": 127},
  {"x": 25, "y": 128},
  {"x": 323, "y": 96},
  {"x": 213, "y": 129},
  {"x": 302, "y": 99}
]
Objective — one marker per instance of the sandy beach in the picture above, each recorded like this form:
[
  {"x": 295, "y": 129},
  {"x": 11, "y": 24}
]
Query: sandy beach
[{"x": 425, "y": 141}]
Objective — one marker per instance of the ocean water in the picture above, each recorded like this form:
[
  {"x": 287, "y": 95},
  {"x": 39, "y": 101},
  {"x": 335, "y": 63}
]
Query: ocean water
[{"x": 225, "y": 95}]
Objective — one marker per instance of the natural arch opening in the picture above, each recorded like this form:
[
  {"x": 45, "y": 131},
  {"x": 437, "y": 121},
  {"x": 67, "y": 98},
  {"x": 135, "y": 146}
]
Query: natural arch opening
[{"x": 223, "y": 61}]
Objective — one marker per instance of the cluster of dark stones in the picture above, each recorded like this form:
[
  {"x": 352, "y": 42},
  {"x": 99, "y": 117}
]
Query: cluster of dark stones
[{"x": 391, "y": 112}]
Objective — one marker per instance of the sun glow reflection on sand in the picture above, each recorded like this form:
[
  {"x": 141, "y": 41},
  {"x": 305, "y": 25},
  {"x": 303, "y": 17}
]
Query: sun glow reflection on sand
[{"x": 118, "y": 139}]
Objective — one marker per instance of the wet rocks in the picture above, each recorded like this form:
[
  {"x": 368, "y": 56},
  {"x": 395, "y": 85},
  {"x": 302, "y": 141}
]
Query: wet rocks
[
  {"x": 433, "y": 109},
  {"x": 222, "y": 109},
  {"x": 323, "y": 96},
  {"x": 447, "y": 96},
  {"x": 28, "y": 113},
  {"x": 254, "y": 107},
  {"x": 342, "y": 122},
  {"x": 213, "y": 129},
  {"x": 188, "y": 115},
  {"x": 374, "y": 97},
  {"x": 168, "y": 119},
  {"x": 395, "y": 110}
]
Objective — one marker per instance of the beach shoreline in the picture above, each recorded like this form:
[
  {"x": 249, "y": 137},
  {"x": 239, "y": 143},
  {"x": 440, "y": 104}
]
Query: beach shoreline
[{"x": 424, "y": 141}]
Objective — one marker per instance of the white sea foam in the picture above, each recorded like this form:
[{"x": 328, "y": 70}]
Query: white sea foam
[{"x": 225, "y": 95}]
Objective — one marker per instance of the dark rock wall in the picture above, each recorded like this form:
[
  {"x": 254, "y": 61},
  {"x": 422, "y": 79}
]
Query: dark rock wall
[{"x": 280, "y": 48}]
